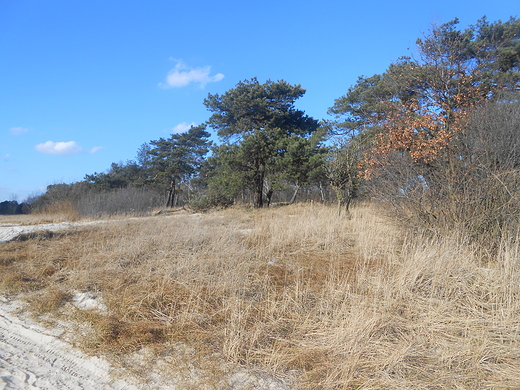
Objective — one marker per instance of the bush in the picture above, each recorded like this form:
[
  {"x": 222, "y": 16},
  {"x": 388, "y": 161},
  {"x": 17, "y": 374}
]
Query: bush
[
  {"x": 83, "y": 199},
  {"x": 474, "y": 185},
  {"x": 129, "y": 200}
]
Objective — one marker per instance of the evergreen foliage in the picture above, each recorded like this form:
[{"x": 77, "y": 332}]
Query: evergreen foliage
[
  {"x": 261, "y": 120},
  {"x": 177, "y": 159},
  {"x": 413, "y": 136}
]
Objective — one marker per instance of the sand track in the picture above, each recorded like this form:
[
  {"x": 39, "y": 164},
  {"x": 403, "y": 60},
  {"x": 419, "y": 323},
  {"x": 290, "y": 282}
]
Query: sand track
[
  {"x": 9, "y": 232},
  {"x": 33, "y": 358}
]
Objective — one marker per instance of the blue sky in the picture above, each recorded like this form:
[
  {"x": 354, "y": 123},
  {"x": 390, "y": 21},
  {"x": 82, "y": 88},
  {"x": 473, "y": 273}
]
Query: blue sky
[{"x": 83, "y": 83}]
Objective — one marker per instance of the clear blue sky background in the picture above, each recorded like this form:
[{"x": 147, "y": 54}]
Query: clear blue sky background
[{"x": 83, "y": 83}]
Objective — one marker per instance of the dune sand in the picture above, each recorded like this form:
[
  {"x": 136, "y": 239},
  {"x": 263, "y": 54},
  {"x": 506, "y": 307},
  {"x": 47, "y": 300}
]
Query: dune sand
[{"x": 32, "y": 357}]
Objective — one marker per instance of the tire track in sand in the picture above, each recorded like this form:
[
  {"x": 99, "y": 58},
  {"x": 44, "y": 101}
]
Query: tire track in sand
[{"x": 32, "y": 359}]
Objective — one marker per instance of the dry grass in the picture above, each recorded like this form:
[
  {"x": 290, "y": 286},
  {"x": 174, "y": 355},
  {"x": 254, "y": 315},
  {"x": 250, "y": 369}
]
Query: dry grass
[
  {"x": 67, "y": 212},
  {"x": 53, "y": 213},
  {"x": 324, "y": 301}
]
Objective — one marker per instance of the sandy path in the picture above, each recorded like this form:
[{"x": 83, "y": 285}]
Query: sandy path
[
  {"x": 9, "y": 232},
  {"x": 31, "y": 357}
]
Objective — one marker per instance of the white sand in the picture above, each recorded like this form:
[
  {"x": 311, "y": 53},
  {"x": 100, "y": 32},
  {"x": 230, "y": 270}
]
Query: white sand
[
  {"x": 32, "y": 357},
  {"x": 10, "y": 231}
]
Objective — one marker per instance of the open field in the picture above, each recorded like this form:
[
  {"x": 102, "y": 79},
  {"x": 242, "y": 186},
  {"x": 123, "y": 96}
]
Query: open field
[{"x": 295, "y": 294}]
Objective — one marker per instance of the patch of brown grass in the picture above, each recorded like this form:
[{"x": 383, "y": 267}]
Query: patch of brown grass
[
  {"x": 56, "y": 212},
  {"x": 50, "y": 300},
  {"x": 330, "y": 302}
]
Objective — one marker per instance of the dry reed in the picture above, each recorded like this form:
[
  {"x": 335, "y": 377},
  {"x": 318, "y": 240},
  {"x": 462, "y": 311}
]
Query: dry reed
[{"x": 323, "y": 301}]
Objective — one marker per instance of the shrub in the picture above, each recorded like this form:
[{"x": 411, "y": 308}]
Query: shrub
[
  {"x": 474, "y": 185},
  {"x": 129, "y": 200}
]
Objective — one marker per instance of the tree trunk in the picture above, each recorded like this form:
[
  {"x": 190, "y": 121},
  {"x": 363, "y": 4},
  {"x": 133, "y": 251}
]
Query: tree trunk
[
  {"x": 322, "y": 194},
  {"x": 268, "y": 196},
  {"x": 259, "y": 186},
  {"x": 171, "y": 193},
  {"x": 295, "y": 193},
  {"x": 347, "y": 202},
  {"x": 339, "y": 196},
  {"x": 351, "y": 193},
  {"x": 258, "y": 198}
]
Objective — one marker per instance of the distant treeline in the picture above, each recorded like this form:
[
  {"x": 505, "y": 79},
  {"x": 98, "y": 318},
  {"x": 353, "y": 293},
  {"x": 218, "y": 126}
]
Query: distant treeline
[
  {"x": 10, "y": 207},
  {"x": 435, "y": 139}
]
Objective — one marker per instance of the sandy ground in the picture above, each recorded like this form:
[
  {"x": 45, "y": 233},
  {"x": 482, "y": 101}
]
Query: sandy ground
[
  {"x": 38, "y": 358},
  {"x": 32, "y": 357},
  {"x": 9, "y": 231}
]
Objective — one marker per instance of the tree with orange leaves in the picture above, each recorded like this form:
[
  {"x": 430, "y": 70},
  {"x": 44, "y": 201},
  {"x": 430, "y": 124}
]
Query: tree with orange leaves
[
  {"x": 427, "y": 158},
  {"x": 418, "y": 107}
]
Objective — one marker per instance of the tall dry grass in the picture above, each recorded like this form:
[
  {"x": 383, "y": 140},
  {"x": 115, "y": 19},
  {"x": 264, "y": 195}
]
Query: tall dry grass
[
  {"x": 63, "y": 211},
  {"x": 322, "y": 301}
]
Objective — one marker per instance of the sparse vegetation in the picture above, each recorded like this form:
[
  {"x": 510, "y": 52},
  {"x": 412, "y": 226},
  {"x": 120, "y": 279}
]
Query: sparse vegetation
[
  {"x": 319, "y": 300},
  {"x": 416, "y": 289}
]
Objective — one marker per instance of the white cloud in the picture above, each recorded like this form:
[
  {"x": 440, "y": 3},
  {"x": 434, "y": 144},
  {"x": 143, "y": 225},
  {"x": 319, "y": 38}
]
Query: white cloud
[
  {"x": 59, "y": 148},
  {"x": 6, "y": 157},
  {"x": 183, "y": 75},
  {"x": 183, "y": 127},
  {"x": 95, "y": 149},
  {"x": 18, "y": 130}
]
